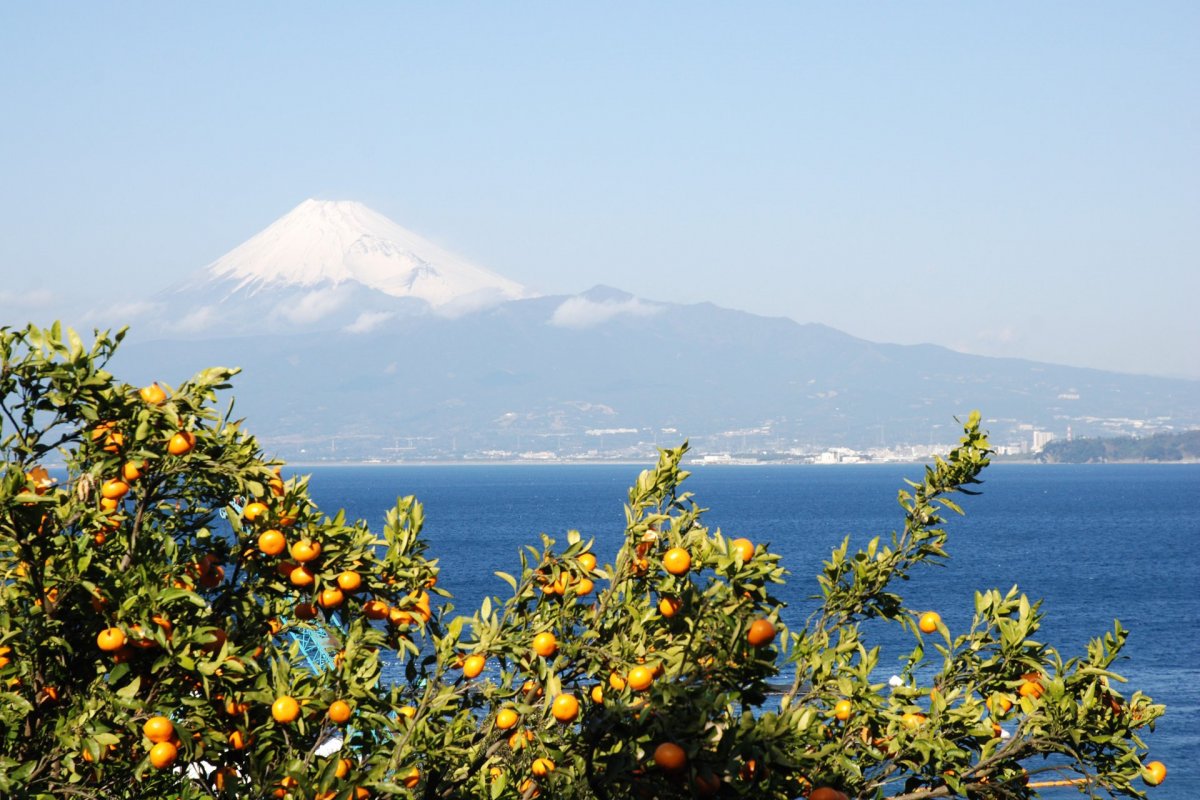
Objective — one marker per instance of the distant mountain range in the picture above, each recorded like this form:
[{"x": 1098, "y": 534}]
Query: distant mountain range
[{"x": 361, "y": 340}]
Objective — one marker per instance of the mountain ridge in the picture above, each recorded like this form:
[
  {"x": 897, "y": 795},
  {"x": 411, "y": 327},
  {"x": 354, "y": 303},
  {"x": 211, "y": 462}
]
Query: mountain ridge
[{"x": 338, "y": 359}]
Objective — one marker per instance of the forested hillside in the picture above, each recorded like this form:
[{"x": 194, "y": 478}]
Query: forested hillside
[{"x": 1184, "y": 446}]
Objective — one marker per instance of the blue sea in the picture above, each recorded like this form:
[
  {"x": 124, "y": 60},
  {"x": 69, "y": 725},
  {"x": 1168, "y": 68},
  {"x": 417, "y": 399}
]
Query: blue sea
[{"x": 1095, "y": 542}]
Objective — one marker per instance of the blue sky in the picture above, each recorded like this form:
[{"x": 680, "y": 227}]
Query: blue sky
[{"x": 1017, "y": 179}]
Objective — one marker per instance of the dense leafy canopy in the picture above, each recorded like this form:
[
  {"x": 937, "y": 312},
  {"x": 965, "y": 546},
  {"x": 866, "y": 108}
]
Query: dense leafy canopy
[{"x": 160, "y": 585}]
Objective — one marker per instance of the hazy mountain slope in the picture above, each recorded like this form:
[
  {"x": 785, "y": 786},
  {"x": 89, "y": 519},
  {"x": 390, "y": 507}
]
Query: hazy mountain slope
[
  {"x": 509, "y": 378},
  {"x": 353, "y": 330}
]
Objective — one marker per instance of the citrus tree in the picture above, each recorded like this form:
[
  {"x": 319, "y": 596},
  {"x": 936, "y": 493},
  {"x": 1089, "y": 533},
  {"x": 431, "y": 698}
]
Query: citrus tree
[{"x": 177, "y": 620}]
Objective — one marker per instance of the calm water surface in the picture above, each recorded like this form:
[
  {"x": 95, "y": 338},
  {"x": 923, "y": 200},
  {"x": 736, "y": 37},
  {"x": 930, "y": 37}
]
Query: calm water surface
[{"x": 1095, "y": 543}]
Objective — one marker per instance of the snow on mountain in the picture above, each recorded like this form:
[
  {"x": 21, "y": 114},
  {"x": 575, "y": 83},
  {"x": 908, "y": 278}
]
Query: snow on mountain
[
  {"x": 325, "y": 265},
  {"x": 332, "y": 242}
]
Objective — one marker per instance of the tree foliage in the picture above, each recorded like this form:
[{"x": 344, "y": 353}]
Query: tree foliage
[{"x": 152, "y": 632}]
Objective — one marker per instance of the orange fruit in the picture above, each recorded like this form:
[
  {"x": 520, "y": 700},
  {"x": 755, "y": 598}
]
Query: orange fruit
[
  {"x": 542, "y": 767},
  {"x": 224, "y": 778},
  {"x": 707, "y": 783},
  {"x": 999, "y": 704},
  {"x": 640, "y": 678},
  {"x": 584, "y": 586},
  {"x": 237, "y": 740},
  {"x": 1155, "y": 773},
  {"x": 211, "y": 578},
  {"x": 929, "y": 621},
  {"x": 132, "y": 470},
  {"x": 375, "y": 609},
  {"x": 301, "y": 576},
  {"x": 253, "y": 511},
  {"x": 158, "y": 729},
  {"x": 1031, "y": 687},
  {"x": 616, "y": 681},
  {"x": 349, "y": 581},
  {"x": 565, "y": 708},
  {"x": 219, "y": 638},
  {"x": 331, "y": 597},
  {"x": 305, "y": 550},
  {"x": 411, "y": 778},
  {"x": 677, "y": 561},
  {"x": 110, "y": 639},
  {"x": 339, "y": 712},
  {"x": 343, "y": 767},
  {"x": 473, "y": 665},
  {"x": 597, "y": 694},
  {"x": 587, "y": 562},
  {"x": 528, "y": 788},
  {"x": 233, "y": 708},
  {"x": 306, "y": 611},
  {"x": 912, "y": 720},
  {"x": 506, "y": 718},
  {"x": 762, "y": 632},
  {"x": 827, "y": 793},
  {"x": 743, "y": 547},
  {"x": 544, "y": 644},
  {"x": 272, "y": 542},
  {"x": 153, "y": 394},
  {"x": 285, "y": 709},
  {"x": 114, "y": 489},
  {"x": 181, "y": 443},
  {"x": 841, "y": 710},
  {"x": 669, "y": 606},
  {"x": 670, "y": 757},
  {"x": 277, "y": 487},
  {"x": 163, "y": 755}
]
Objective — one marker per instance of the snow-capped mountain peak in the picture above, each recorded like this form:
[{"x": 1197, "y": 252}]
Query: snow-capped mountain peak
[{"x": 323, "y": 242}]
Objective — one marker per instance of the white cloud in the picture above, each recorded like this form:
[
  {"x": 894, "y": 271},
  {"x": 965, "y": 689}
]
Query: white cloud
[
  {"x": 34, "y": 299},
  {"x": 368, "y": 321},
  {"x": 312, "y": 306},
  {"x": 200, "y": 319},
  {"x": 579, "y": 312},
  {"x": 133, "y": 309}
]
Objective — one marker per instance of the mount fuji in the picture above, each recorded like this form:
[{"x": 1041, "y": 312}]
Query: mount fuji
[
  {"x": 326, "y": 265},
  {"x": 361, "y": 340}
]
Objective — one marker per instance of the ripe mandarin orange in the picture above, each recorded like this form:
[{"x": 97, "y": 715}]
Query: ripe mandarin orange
[
  {"x": 762, "y": 632},
  {"x": 163, "y": 755},
  {"x": 670, "y": 756},
  {"x": 339, "y": 712},
  {"x": 743, "y": 547},
  {"x": 473, "y": 665},
  {"x": 640, "y": 678},
  {"x": 181, "y": 443},
  {"x": 285, "y": 709},
  {"x": 158, "y": 729},
  {"x": 565, "y": 708},
  {"x": 110, "y": 639},
  {"x": 153, "y": 394},
  {"x": 677, "y": 561},
  {"x": 544, "y": 644},
  {"x": 272, "y": 542}
]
